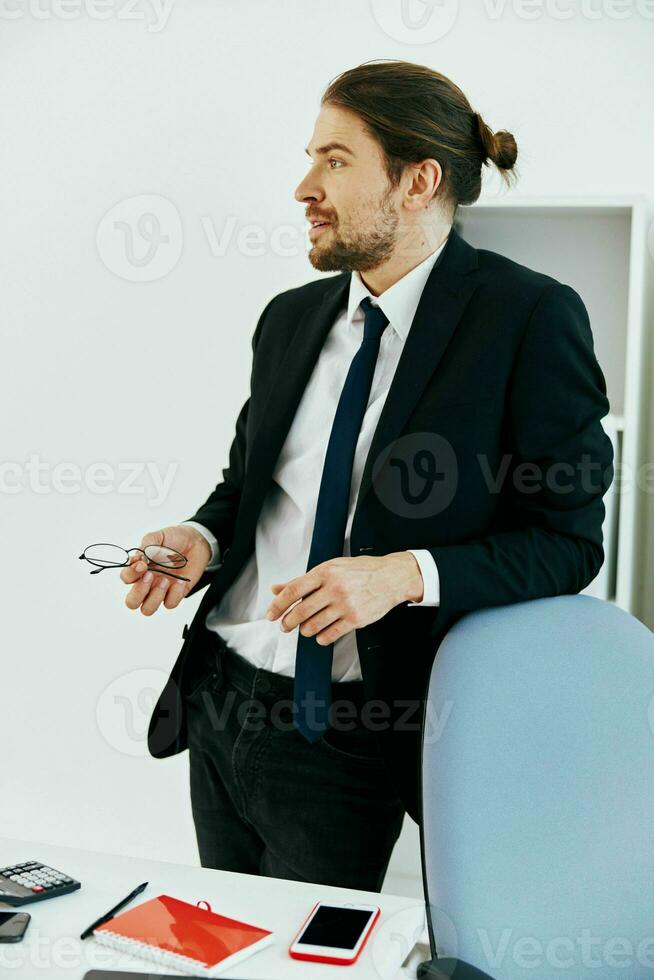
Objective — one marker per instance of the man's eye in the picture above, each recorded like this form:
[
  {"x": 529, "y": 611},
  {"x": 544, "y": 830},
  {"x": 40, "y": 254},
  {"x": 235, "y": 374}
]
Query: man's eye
[{"x": 333, "y": 160}]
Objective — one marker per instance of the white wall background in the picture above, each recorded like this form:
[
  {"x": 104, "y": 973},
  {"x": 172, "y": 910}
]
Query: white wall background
[{"x": 206, "y": 105}]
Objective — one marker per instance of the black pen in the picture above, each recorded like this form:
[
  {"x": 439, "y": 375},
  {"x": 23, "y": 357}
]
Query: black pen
[{"x": 110, "y": 914}]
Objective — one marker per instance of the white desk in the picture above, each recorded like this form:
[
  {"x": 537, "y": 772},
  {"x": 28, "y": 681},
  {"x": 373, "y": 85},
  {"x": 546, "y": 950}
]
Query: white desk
[{"x": 52, "y": 948}]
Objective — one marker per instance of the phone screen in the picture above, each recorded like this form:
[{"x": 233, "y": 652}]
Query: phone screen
[
  {"x": 13, "y": 923},
  {"x": 336, "y": 927}
]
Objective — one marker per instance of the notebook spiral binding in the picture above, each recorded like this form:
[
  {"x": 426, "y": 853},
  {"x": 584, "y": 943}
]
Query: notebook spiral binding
[{"x": 165, "y": 957}]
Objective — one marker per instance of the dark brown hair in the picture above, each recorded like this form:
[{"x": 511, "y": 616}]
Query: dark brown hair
[{"x": 415, "y": 114}]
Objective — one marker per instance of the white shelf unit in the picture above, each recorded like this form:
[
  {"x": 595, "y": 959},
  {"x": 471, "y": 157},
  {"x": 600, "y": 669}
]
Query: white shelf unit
[{"x": 599, "y": 246}]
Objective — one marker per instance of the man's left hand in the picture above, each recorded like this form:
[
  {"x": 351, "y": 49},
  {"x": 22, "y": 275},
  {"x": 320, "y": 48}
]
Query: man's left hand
[{"x": 343, "y": 594}]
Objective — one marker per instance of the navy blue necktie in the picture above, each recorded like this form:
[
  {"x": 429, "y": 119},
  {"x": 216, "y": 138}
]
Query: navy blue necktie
[{"x": 313, "y": 662}]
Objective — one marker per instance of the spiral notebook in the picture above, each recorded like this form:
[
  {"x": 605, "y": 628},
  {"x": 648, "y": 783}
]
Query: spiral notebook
[{"x": 182, "y": 936}]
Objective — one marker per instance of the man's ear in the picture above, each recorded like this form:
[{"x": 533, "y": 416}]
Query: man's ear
[{"x": 426, "y": 179}]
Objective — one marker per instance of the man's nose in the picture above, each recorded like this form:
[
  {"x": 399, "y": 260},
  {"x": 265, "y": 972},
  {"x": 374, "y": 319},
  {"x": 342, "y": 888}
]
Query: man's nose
[{"x": 308, "y": 190}]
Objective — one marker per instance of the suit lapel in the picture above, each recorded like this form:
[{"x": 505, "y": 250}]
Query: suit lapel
[
  {"x": 284, "y": 397},
  {"x": 439, "y": 311}
]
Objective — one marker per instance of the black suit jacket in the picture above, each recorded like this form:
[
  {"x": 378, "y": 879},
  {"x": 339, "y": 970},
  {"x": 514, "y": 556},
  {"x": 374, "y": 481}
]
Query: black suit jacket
[{"x": 497, "y": 371}]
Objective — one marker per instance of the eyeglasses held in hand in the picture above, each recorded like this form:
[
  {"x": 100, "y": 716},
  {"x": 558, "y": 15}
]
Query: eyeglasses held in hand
[{"x": 158, "y": 557}]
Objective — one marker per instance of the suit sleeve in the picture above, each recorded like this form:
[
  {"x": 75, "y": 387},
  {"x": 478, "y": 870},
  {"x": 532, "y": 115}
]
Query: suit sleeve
[
  {"x": 553, "y": 543},
  {"x": 218, "y": 513}
]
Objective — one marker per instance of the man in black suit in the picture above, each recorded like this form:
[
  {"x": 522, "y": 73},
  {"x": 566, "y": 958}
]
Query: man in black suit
[{"x": 476, "y": 472}]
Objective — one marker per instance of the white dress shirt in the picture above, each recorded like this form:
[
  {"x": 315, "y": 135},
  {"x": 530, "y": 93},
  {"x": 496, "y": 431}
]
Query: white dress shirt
[{"x": 285, "y": 525}]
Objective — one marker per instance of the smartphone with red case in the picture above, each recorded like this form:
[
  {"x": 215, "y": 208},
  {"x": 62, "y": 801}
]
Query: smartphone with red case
[{"x": 334, "y": 933}]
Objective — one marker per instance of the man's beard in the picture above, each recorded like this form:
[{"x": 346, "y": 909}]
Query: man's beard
[{"x": 363, "y": 251}]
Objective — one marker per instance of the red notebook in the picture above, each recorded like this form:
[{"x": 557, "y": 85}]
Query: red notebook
[{"x": 182, "y": 936}]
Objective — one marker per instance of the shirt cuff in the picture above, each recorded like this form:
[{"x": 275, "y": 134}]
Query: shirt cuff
[
  {"x": 214, "y": 561},
  {"x": 431, "y": 581}
]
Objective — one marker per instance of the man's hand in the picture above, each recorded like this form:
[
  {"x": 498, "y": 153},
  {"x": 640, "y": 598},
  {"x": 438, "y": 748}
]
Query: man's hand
[
  {"x": 151, "y": 588},
  {"x": 343, "y": 594}
]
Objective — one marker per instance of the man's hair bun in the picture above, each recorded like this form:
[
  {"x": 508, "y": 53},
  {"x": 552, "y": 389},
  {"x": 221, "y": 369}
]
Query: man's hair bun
[{"x": 500, "y": 147}]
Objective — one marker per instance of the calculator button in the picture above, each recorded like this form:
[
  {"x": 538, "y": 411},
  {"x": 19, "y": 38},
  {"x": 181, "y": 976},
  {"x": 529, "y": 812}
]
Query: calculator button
[{"x": 38, "y": 888}]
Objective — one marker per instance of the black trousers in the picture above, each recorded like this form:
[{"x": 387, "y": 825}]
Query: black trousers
[{"x": 264, "y": 800}]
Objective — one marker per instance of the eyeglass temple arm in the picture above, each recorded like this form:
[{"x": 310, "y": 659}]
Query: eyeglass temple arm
[
  {"x": 159, "y": 571},
  {"x": 96, "y": 571}
]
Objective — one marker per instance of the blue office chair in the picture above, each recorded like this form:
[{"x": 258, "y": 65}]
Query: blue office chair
[{"x": 538, "y": 794}]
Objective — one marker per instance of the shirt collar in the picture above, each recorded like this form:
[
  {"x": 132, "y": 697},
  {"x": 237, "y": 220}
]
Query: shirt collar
[{"x": 399, "y": 302}]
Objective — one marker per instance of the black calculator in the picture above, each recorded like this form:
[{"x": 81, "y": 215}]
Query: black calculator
[{"x": 32, "y": 881}]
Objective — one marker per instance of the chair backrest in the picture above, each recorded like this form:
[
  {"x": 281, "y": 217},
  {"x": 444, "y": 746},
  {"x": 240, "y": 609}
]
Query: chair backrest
[{"x": 538, "y": 792}]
